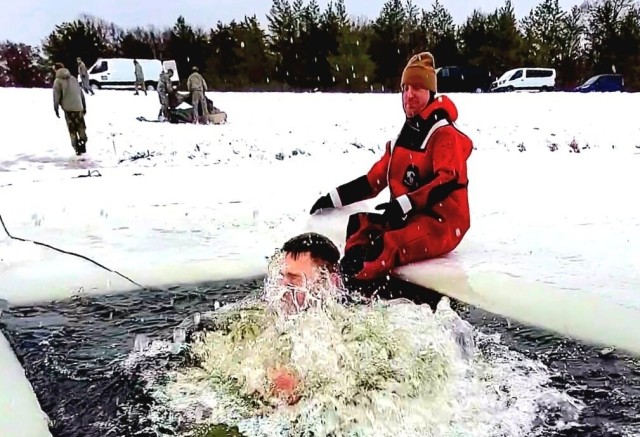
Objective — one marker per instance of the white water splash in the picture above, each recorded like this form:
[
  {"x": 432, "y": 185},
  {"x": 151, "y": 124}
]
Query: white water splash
[
  {"x": 372, "y": 368},
  {"x": 365, "y": 370}
]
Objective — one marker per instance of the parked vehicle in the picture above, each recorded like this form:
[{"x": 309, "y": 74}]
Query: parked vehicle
[
  {"x": 602, "y": 83},
  {"x": 120, "y": 72},
  {"x": 464, "y": 79},
  {"x": 542, "y": 79}
]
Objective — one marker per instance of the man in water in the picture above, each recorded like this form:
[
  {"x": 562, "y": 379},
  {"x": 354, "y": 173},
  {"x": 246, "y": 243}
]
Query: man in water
[
  {"x": 308, "y": 271},
  {"x": 304, "y": 266},
  {"x": 303, "y": 273}
]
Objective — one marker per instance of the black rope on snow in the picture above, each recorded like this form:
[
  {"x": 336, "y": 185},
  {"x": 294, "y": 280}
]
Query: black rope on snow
[
  {"x": 24, "y": 240},
  {"x": 90, "y": 174}
]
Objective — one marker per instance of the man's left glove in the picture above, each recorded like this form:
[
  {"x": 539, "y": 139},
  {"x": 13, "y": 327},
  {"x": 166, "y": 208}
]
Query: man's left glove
[{"x": 393, "y": 214}]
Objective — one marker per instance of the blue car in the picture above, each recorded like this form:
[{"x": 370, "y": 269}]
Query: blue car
[{"x": 602, "y": 83}]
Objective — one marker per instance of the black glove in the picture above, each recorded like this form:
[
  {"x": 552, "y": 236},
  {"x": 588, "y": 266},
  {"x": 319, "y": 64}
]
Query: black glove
[
  {"x": 393, "y": 214},
  {"x": 57, "y": 113},
  {"x": 324, "y": 202}
]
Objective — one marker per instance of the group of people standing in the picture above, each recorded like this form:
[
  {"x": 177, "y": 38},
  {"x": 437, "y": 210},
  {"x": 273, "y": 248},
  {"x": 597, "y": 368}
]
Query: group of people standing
[{"x": 68, "y": 94}]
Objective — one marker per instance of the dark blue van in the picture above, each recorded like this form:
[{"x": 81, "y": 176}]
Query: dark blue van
[
  {"x": 602, "y": 83},
  {"x": 464, "y": 79}
]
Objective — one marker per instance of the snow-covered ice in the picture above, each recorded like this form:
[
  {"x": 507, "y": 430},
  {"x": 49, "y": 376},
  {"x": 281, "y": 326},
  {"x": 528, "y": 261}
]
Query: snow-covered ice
[
  {"x": 21, "y": 414},
  {"x": 554, "y": 234}
]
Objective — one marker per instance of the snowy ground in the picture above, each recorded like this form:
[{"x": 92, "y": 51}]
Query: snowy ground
[{"x": 211, "y": 202}]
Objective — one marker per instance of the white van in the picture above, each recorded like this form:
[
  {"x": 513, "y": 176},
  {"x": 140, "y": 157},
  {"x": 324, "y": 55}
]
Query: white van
[
  {"x": 543, "y": 79},
  {"x": 120, "y": 72}
]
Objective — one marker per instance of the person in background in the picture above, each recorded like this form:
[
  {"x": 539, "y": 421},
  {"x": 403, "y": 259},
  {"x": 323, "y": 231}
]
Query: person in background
[
  {"x": 68, "y": 95},
  {"x": 165, "y": 88},
  {"x": 197, "y": 87},
  {"x": 139, "y": 77},
  {"x": 425, "y": 168},
  {"x": 84, "y": 77}
]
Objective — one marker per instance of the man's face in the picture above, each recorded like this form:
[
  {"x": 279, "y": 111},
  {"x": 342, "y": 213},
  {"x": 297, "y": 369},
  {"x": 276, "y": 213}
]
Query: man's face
[
  {"x": 298, "y": 273},
  {"x": 414, "y": 100}
]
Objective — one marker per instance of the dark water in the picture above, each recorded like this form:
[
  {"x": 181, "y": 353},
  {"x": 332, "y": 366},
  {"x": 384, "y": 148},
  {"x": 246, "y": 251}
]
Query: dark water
[{"x": 70, "y": 349}]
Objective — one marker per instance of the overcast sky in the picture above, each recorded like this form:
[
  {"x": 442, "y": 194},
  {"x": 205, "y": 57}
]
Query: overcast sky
[{"x": 30, "y": 21}]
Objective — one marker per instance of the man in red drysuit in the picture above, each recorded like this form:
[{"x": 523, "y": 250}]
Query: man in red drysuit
[{"x": 425, "y": 168}]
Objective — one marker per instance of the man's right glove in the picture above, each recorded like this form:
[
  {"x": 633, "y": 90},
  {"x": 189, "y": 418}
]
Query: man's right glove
[
  {"x": 324, "y": 202},
  {"x": 393, "y": 214}
]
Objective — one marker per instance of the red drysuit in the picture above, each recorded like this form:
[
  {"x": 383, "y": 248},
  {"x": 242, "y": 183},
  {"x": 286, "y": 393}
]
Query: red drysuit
[{"x": 425, "y": 169}]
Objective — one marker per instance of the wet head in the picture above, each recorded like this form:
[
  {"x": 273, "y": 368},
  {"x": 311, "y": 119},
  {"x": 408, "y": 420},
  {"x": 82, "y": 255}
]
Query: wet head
[{"x": 302, "y": 273}]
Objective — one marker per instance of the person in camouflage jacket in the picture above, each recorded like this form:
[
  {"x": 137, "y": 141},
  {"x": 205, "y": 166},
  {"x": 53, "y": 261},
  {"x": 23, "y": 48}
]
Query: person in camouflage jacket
[
  {"x": 139, "y": 77},
  {"x": 84, "y": 77},
  {"x": 197, "y": 87},
  {"x": 165, "y": 87},
  {"x": 68, "y": 95}
]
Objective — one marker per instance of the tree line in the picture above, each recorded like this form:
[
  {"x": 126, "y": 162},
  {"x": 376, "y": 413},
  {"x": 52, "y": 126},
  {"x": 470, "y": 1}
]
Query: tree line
[{"x": 302, "y": 47}]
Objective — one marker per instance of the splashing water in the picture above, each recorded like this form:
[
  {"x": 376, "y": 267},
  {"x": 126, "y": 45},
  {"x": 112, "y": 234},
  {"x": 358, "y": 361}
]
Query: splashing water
[
  {"x": 375, "y": 369},
  {"x": 365, "y": 370},
  {"x": 325, "y": 288}
]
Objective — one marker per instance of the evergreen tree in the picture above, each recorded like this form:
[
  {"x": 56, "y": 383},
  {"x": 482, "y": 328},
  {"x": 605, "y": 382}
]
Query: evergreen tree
[
  {"x": 605, "y": 22},
  {"x": 352, "y": 68},
  {"x": 72, "y": 39},
  {"x": 493, "y": 41},
  {"x": 137, "y": 43},
  {"x": 414, "y": 36},
  {"x": 572, "y": 67},
  {"x": 238, "y": 58},
  {"x": 543, "y": 29},
  {"x": 109, "y": 33},
  {"x": 187, "y": 46},
  {"x": 441, "y": 38},
  {"x": 283, "y": 32},
  {"x": 255, "y": 62},
  {"x": 473, "y": 36},
  {"x": 386, "y": 49},
  {"x": 629, "y": 47},
  {"x": 504, "y": 48},
  {"x": 313, "y": 49},
  {"x": 222, "y": 65}
]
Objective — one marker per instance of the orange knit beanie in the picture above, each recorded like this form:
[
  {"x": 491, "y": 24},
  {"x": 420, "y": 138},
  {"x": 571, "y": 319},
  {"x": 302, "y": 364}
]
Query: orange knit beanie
[{"x": 420, "y": 72}]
